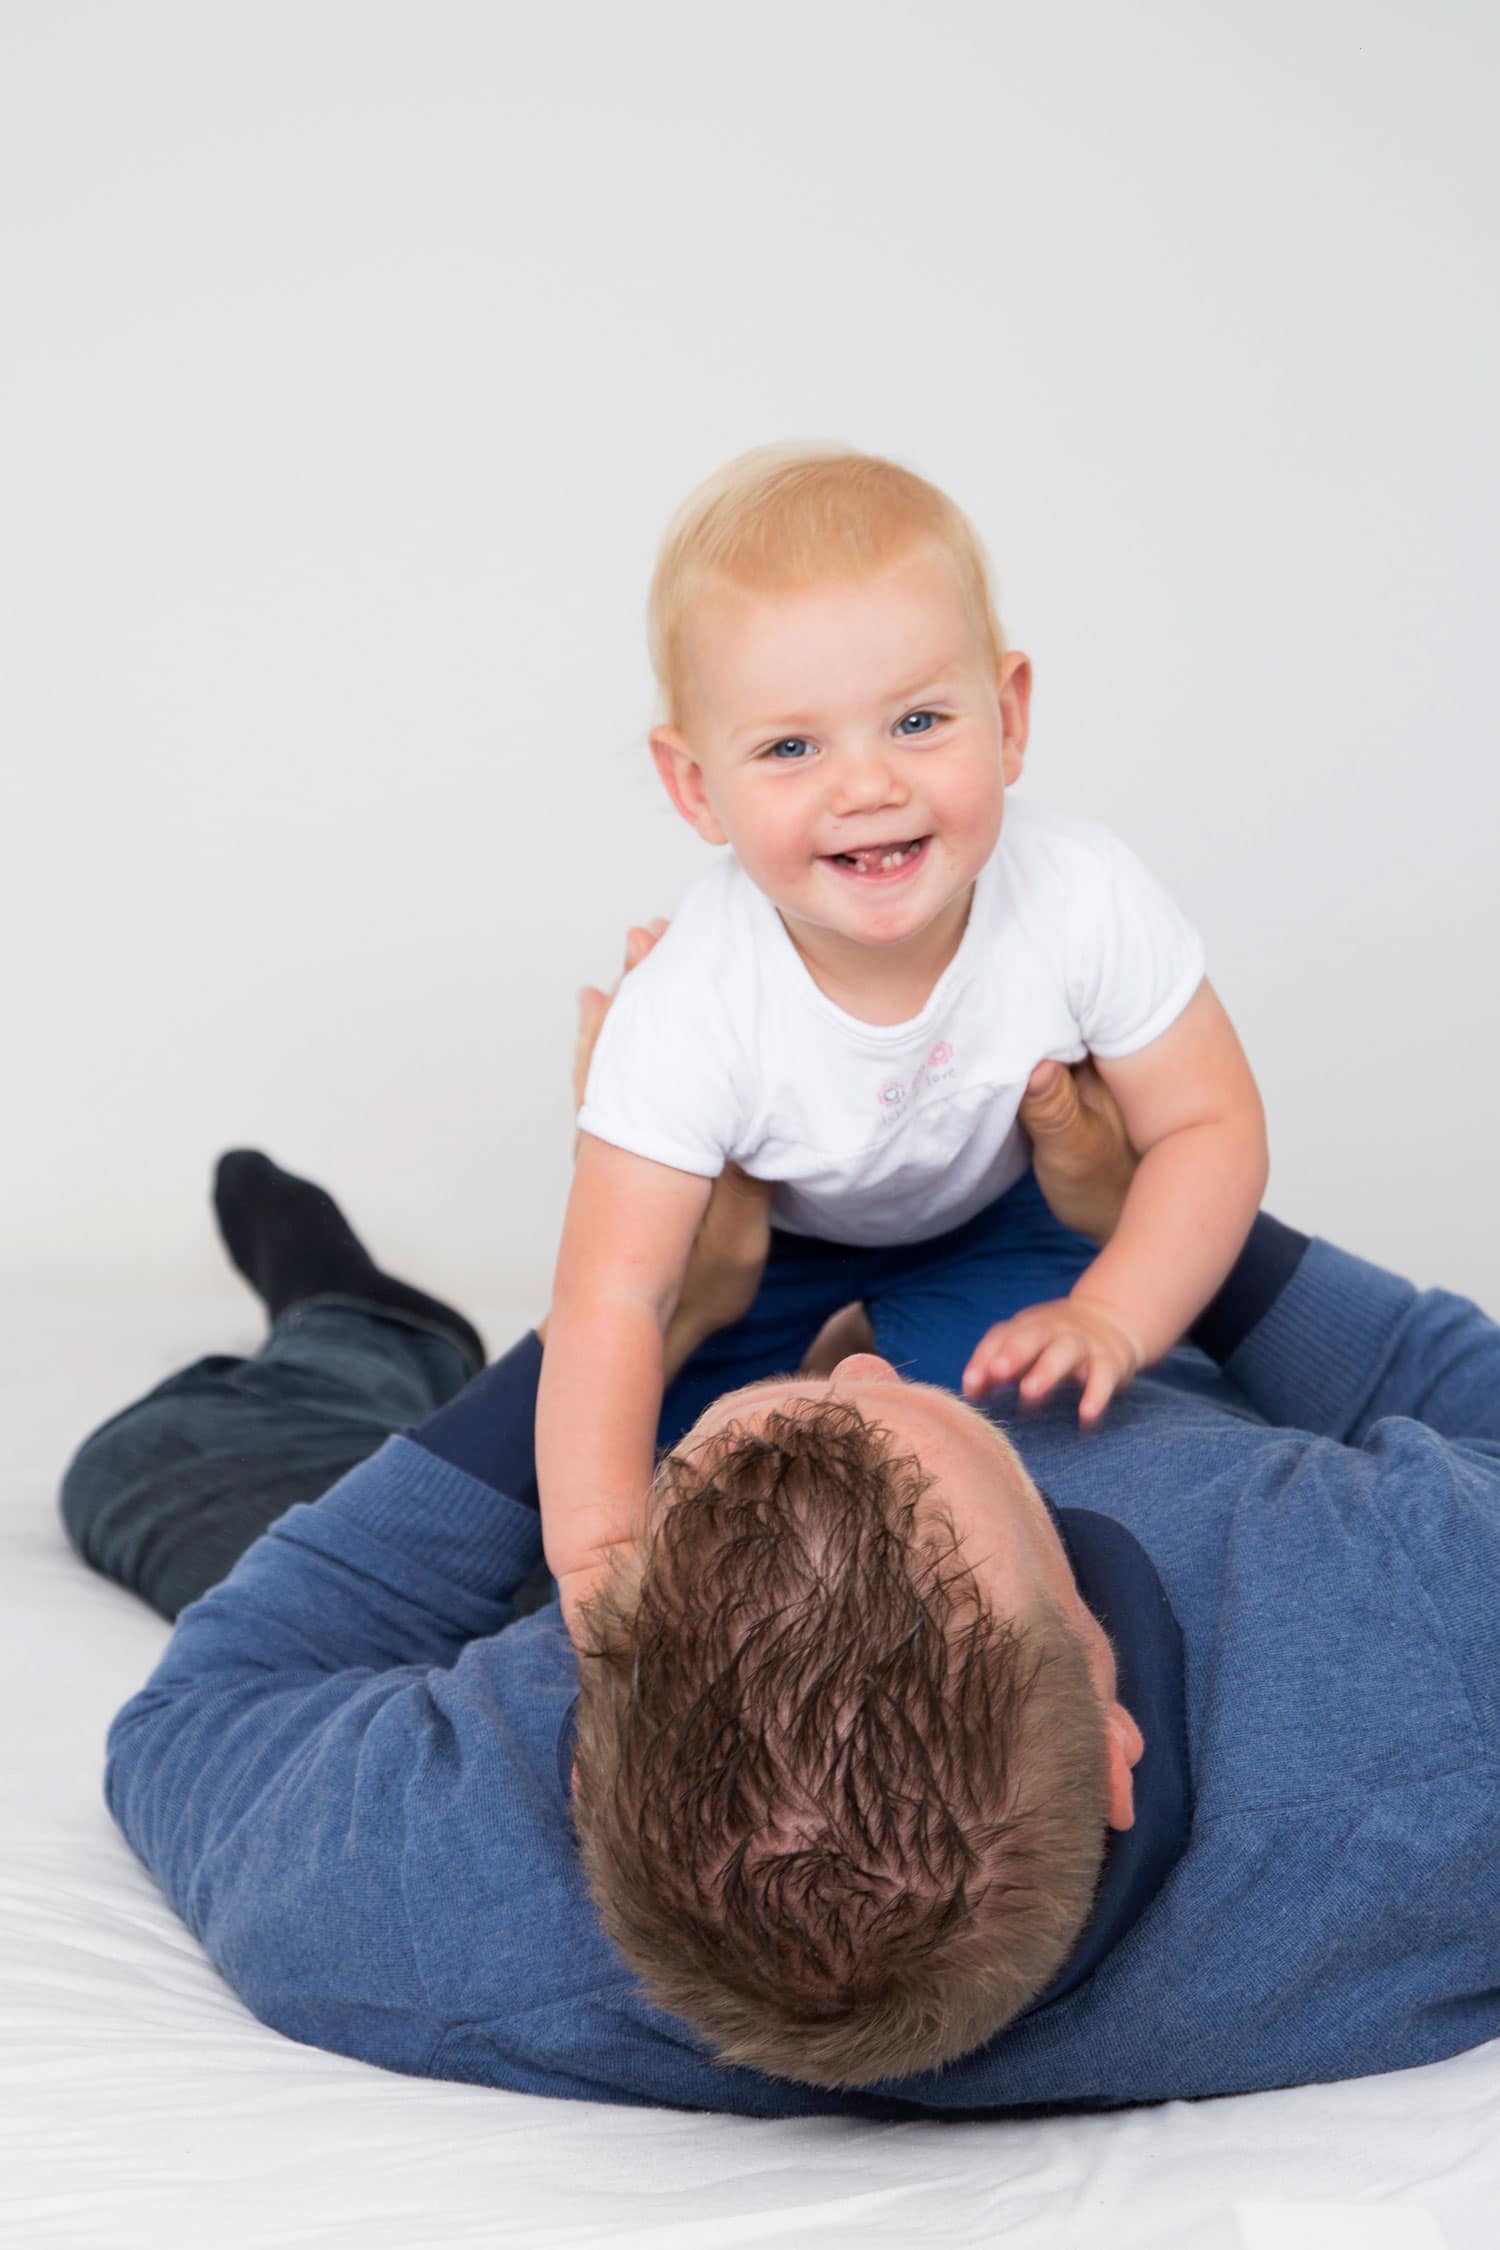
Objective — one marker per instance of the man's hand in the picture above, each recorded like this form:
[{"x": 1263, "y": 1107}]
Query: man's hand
[
  {"x": 724, "y": 1266},
  {"x": 1052, "y": 1341},
  {"x": 729, "y": 1250},
  {"x": 593, "y": 1005},
  {"x": 1080, "y": 1149}
]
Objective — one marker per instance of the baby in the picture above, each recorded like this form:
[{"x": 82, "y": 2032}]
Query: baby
[{"x": 851, "y": 1002}]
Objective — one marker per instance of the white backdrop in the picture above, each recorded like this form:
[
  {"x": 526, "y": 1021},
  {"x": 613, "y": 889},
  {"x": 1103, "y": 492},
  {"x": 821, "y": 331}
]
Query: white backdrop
[{"x": 355, "y": 355}]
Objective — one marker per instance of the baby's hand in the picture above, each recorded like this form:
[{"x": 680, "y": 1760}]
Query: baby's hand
[{"x": 1066, "y": 1337}]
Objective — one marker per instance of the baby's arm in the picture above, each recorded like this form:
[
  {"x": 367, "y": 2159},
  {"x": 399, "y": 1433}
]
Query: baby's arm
[
  {"x": 1192, "y": 1108},
  {"x": 629, "y": 1229}
]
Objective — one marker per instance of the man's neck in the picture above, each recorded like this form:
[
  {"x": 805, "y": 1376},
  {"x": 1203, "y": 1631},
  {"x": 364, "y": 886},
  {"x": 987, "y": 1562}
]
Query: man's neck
[
  {"x": 881, "y": 984},
  {"x": 1122, "y": 1587}
]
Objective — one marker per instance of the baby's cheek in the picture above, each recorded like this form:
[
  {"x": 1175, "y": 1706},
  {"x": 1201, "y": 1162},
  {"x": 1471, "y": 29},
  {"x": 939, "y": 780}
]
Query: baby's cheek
[
  {"x": 976, "y": 815},
  {"x": 786, "y": 849}
]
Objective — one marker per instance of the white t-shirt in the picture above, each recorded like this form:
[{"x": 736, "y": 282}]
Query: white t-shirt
[{"x": 721, "y": 1045}]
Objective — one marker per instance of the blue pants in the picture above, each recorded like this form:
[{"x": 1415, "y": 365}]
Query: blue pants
[
  {"x": 166, "y": 1496},
  {"x": 929, "y": 1302}
]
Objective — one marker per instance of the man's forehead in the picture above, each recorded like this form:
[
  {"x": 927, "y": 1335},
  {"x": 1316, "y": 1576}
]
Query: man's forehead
[
  {"x": 870, "y": 1401},
  {"x": 990, "y": 1507}
]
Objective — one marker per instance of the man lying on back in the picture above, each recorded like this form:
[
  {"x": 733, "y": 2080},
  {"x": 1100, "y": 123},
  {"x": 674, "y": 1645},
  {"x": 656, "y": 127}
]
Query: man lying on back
[{"x": 913, "y": 1763}]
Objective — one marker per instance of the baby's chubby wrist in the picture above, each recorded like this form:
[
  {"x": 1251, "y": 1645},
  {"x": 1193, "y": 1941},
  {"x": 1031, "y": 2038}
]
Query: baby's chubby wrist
[{"x": 1124, "y": 1319}]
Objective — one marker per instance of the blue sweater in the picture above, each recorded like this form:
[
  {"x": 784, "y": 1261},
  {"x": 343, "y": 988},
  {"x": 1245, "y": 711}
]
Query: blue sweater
[{"x": 350, "y": 1779}]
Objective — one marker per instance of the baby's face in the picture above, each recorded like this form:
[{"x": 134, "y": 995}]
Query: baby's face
[{"x": 852, "y": 742}]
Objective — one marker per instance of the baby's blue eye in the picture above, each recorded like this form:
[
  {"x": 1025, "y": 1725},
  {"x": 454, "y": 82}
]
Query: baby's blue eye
[{"x": 801, "y": 749}]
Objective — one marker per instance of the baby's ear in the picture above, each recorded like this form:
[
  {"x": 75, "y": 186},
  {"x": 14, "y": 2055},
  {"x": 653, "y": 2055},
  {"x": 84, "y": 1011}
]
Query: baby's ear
[
  {"x": 682, "y": 779},
  {"x": 1013, "y": 686}
]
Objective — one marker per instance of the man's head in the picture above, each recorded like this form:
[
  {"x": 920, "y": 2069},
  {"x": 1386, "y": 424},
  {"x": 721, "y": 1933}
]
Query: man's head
[
  {"x": 848, "y": 1738},
  {"x": 840, "y": 704}
]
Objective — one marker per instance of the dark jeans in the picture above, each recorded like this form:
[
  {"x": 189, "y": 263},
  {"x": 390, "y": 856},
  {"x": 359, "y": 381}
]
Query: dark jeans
[{"x": 166, "y": 1496}]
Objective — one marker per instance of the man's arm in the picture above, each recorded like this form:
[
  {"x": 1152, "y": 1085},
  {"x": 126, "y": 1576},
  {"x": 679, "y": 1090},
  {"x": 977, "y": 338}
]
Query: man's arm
[
  {"x": 322, "y": 1633},
  {"x": 1346, "y": 1344},
  {"x": 327, "y": 1626}
]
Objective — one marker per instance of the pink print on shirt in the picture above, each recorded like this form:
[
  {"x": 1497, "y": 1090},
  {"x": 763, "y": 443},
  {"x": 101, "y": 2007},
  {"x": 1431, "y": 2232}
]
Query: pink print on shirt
[{"x": 895, "y": 1093}]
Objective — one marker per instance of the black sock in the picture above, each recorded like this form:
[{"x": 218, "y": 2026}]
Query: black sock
[{"x": 290, "y": 1240}]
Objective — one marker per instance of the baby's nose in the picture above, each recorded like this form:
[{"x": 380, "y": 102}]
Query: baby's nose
[{"x": 865, "y": 780}]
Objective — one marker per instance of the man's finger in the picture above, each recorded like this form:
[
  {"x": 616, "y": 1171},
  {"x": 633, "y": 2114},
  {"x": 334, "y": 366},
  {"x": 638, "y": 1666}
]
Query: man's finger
[
  {"x": 593, "y": 1007},
  {"x": 641, "y": 938},
  {"x": 1050, "y": 1102}
]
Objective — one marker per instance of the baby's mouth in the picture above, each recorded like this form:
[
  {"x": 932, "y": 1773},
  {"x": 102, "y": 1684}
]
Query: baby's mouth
[{"x": 880, "y": 862}]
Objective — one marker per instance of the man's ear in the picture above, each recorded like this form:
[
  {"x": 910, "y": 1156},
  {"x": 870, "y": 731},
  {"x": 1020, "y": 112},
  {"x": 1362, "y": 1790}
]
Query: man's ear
[
  {"x": 1123, "y": 1746},
  {"x": 682, "y": 779},
  {"x": 1013, "y": 688}
]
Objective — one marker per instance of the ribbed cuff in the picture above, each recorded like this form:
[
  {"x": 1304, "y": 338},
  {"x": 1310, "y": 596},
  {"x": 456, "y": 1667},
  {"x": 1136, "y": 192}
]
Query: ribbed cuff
[
  {"x": 449, "y": 1529},
  {"x": 489, "y": 1429},
  {"x": 1315, "y": 1359},
  {"x": 1271, "y": 1256}
]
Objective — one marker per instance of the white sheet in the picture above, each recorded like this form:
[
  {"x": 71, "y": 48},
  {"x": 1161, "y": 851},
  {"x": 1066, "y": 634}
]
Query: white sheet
[{"x": 143, "y": 2106}]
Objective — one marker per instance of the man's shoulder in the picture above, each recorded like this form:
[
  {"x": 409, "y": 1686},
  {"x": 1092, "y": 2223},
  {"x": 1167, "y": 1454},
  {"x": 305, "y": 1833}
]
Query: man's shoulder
[{"x": 1309, "y": 1577}]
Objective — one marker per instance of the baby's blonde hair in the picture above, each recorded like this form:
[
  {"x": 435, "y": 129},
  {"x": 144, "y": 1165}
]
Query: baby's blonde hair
[{"x": 797, "y": 514}]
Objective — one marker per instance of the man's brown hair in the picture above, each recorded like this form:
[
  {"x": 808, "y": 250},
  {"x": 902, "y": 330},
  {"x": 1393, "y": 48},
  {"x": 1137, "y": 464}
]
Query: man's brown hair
[{"x": 838, "y": 1815}]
